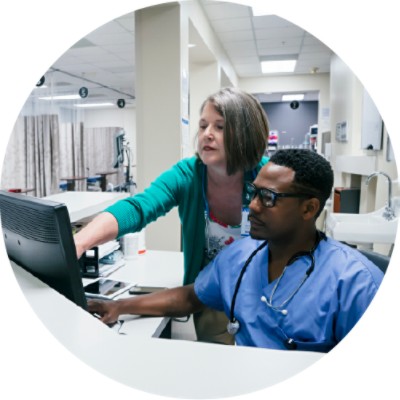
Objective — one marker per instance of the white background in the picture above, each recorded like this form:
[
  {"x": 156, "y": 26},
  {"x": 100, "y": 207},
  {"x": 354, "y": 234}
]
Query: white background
[{"x": 364, "y": 34}]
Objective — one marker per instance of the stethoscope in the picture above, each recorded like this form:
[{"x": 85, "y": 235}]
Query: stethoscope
[
  {"x": 233, "y": 324},
  {"x": 210, "y": 253}
]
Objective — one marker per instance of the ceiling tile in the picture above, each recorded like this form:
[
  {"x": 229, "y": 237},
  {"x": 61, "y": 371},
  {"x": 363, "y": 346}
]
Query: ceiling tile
[{"x": 232, "y": 24}]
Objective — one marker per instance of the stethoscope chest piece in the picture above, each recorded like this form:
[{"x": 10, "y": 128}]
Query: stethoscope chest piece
[{"x": 233, "y": 327}]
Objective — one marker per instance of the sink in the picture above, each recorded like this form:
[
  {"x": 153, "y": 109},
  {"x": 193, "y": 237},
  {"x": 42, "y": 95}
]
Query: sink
[{"x": 361, "y": 228}]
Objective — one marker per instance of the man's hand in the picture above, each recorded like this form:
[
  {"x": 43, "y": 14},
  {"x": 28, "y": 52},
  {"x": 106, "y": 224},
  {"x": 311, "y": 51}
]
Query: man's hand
[
  {"x": 177, "y": 302},
  {"x": 107, "y": 310}
]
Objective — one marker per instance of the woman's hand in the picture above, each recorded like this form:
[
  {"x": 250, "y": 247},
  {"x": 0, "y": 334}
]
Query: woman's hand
[{"x": 101, "y": 229}]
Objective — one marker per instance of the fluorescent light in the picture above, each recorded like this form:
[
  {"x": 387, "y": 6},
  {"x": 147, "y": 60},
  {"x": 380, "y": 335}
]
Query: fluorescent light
[
  {"x": 275, "y": 66},
  {"x": 191, "y": 45},
  {"x": 64, "y": 97},
  {"x": 291, "y": 97},
  {"x": 89, "y": 105}
]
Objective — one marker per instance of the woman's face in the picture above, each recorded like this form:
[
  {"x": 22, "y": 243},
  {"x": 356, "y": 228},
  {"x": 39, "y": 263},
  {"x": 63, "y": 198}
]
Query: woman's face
[{"x": 211, "y": 137}]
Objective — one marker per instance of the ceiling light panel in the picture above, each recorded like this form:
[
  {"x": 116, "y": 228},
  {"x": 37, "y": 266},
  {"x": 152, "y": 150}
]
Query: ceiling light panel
[
  {"x": 61, "y": 97},
  {"x": 278, "y": 66},
  {"x": 291, "y": 97}
]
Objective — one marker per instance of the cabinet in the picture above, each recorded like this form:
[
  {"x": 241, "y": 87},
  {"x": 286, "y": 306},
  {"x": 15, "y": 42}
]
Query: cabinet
[{"x": 346, "y": 200}]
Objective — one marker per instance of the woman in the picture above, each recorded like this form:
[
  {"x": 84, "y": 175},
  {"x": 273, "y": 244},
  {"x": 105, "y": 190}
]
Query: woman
[{"x": 207, "y": 188}]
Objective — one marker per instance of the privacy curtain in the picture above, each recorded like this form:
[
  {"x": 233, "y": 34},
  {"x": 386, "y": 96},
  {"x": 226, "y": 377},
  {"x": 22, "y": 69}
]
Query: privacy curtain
[
  {"x": 99, "y": 149},
  {"x": 88, "y": 152},
  {"x": 41, "y": 152},
  {"x": 32, "y": 157}
]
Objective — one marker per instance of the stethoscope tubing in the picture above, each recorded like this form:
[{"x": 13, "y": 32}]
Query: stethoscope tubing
[{"x": 233, "y": 324}]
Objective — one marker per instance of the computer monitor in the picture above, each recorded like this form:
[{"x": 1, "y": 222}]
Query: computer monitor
[
  {"x": 119, "y": 149},
  {"x": 38, "y": 237}
]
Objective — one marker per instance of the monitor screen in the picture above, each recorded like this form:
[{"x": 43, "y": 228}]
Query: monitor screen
[
  {"x": 119, "y": 149},
  {"x": 38, "y": 237}
]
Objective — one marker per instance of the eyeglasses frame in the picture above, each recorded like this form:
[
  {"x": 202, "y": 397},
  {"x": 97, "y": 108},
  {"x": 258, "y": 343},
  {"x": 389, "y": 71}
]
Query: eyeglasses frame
[{"x": 275, "y": 195}]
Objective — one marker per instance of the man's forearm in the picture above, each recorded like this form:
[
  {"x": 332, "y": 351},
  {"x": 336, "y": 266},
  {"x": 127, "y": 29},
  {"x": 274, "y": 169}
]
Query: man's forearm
[{"x": 176, "y": 302}]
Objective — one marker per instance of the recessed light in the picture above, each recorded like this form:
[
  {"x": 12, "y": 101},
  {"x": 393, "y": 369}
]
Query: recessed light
[
  {"x": 291, "y": 97},
  {"x": 90, "y": 105},
  {"x": 62, "y": 97},
  {"x": 276, "y": 66}
]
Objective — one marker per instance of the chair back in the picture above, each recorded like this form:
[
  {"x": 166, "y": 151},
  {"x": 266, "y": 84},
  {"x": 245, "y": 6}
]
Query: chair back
[{"x": 380, "y": 260}]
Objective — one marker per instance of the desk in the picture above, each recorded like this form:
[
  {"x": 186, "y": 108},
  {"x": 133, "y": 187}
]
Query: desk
[
  {"x": 71, "y": 181},
  {"x": 103, "y": 179},
  {"x": 172, "y": 368}
]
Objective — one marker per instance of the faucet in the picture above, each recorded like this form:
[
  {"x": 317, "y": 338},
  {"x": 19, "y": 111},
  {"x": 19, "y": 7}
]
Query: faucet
[{"x": 388, "y": 213}]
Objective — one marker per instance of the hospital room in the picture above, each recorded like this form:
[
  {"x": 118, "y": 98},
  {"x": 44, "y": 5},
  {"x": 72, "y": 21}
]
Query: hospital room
[{"x": 195, "y": 185}]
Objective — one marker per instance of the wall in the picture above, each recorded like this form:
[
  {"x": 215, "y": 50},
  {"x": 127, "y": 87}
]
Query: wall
[
  {"x": 347, "y": 105},
  {"x": 311, "y": 82},
  {"x": 291, "y": 124}
]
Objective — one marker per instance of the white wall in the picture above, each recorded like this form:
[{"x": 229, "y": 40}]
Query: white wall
[{"x": 346, "y": 105}]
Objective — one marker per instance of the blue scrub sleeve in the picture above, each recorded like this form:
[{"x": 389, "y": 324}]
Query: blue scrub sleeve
[
  {"x": 355, "y": 293},
  {"x": 207, "y": 286}
]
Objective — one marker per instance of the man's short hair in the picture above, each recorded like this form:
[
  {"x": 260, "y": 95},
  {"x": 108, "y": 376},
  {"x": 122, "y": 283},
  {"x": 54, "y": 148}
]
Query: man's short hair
[{"x": 313, "y": 173}]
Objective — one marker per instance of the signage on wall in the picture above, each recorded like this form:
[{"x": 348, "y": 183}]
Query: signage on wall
[
  {"x": 40, "y": 82},
  {"x": 341, "y": 131},
  {"x": 83, "y": 92}
]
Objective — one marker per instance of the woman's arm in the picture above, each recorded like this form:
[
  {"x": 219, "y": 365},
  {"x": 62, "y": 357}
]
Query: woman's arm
[
  {"x": 101, "y": 229},
  {"x": 177, "y": 302}
]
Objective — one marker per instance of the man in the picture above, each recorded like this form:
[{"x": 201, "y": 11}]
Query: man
[{"x": 287, "y": 286}]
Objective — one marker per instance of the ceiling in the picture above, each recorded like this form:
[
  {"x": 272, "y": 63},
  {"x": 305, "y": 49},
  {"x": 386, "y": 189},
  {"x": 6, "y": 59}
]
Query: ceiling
[{"x": 104, "y": 60}]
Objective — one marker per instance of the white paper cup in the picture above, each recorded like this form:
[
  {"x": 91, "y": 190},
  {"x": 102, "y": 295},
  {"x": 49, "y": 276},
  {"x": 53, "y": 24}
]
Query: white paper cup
[
  {"x": 142, "y": 242},
  {"x": 130, "y": 245}
]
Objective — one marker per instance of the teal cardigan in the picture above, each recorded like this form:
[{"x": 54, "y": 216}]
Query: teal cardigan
[{"x": 179, "y": 186}]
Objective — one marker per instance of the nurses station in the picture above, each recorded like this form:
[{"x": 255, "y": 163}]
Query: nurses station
[{"x": 120, "y": 107}]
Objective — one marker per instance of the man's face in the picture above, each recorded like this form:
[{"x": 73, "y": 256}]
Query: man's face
[{"x": 285, "y": 217}]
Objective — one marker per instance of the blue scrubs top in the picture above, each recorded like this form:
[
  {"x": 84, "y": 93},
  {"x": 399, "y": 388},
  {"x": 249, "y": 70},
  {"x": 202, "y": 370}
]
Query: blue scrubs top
[{"x": 321, "y": 313}]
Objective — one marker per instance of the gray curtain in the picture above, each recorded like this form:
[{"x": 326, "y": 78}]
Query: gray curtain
[
  {"x": 86, "y": 152},
  {"x": 41, "y": 152},
  {"x": 99, "y": 153},
  {"x": 32, "y": 157},
  {"x": 72, "y": 159}
]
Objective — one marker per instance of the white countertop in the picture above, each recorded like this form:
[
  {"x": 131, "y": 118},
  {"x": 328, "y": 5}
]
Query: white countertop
[
  {"x": 86, "y": 204},
  {"x": 166, "y": 367}
]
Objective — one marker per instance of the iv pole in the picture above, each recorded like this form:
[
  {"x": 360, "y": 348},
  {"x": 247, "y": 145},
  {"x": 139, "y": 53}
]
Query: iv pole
[
  {"x": 129, "y": 185},
  {"x": 122, "y": 148}
]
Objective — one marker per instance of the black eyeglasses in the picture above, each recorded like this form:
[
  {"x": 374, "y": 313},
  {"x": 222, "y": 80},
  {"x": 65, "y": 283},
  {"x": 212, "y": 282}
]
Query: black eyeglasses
[{"x": 267, "y": 196}]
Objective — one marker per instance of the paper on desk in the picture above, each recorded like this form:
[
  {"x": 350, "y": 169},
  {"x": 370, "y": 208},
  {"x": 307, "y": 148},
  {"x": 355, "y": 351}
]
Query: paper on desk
[{"x": 108, "y": 269}]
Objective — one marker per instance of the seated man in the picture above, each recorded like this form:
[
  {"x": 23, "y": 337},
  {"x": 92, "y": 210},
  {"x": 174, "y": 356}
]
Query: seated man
[{"x": 287, "y": 286}]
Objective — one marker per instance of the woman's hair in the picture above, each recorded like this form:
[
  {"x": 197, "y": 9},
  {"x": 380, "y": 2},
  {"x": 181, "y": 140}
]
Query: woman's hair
[
  {"x": 312, "y": 172},
  {"x": 245, "y": 128}
]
